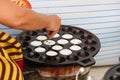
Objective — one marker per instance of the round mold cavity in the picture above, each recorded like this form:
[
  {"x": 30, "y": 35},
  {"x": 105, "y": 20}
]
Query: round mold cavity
[
  {"x": 118, "y": 70},
  {"x": 67, "y": 29},
  {"x": 28, "y": 50},
  {"x": 72, "y": 58},
  {"x": 92, "y": 49},
  {"x": 75, "y": 48},
  {"x": 49, "y": 42},
  {"x": 24, "y": 48},
  {"x": 67, "y": 36},
  {"x": 51, "y": 53},
  {"x": 62, "y": 41},
  {"x": 27, "y": 38},
  {"x": 40, "y": 49},
  {"x": 33, "y": 33},
  {"x": 60, "y": 59},
  {"x": 41, "y": 37},
  {"x": 115, "y": 77},
  {"x": 21, "y": 38},
  {"x": 112, "y": 78},
  {"x": 89, "y": 48},
  {"x": 66, "y": 52},
  {"x": 75, "y": 41},
  {"x": 57, "y": 47},
  {"x": 25, "y": 44},
  {"x": 90, "y": 42},
  {"x": 87, "y": 61},
  {"x": 83, "y": 54},
  {"x": 78, "y": 32},
  {"x": 36, "y": 43},
  {"x": 56, "y": 35},
  {"x": 86, "y": 36},
  {"x": 43, "y": 58},
  {"x": 33, "y": 55}
]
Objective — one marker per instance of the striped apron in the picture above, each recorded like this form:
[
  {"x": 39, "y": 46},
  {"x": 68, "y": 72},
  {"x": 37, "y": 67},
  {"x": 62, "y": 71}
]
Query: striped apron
[{"x": 10, "y": 58}]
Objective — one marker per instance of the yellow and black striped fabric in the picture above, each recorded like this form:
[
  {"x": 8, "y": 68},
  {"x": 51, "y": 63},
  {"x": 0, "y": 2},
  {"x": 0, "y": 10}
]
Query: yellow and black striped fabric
[{"x": 10, "y": 52}]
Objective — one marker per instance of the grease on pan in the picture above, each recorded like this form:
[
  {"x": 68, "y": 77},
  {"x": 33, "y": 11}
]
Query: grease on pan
[
  {"x": 49, "y": 42},
  {"x": 75, "y": 48},
  {"x": 57, "y": 47},
  {"x": 41, "y": 37},
  {"x": 62, "y": 41},
  {"x": 40, "y": 49},
  {"x": 36, "y": 43},
  {"x": 51, "y": 53},
  {"x": 67, "y": 36},
  {"x": 75, "y": 41},
  {"x": 65, "y": 52}
]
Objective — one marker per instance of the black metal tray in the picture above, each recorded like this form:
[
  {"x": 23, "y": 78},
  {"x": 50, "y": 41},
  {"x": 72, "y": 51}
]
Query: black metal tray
[
  {"x": 113, "y": 73},
  {"x": 90, "y": 45}
]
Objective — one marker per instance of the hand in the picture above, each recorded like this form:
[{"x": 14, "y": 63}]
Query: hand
[{"x": 53, "y": 26}]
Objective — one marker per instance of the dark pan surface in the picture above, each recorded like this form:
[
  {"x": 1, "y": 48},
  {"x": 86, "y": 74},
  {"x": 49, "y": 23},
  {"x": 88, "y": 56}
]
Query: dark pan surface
[
  {"x": 113, "y": 73},
  {"x": 90, "y": 45}
]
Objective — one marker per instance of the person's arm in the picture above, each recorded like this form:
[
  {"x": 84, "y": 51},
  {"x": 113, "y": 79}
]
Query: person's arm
[{"x": 25, "y": 19}]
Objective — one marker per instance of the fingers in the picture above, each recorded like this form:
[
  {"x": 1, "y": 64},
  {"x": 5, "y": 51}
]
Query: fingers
[
  {"x": 53, "y": 25},
  {"x": 51, "y": 34}
]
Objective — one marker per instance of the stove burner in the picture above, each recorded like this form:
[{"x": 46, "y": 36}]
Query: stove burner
[
  {"x": 79, "y": 47},
  {"x": 73, "y": 72}
]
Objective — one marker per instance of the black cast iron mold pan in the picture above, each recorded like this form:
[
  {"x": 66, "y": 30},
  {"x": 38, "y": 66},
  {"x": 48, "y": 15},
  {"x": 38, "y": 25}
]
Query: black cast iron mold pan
[{"x": 90, "y": 46}]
